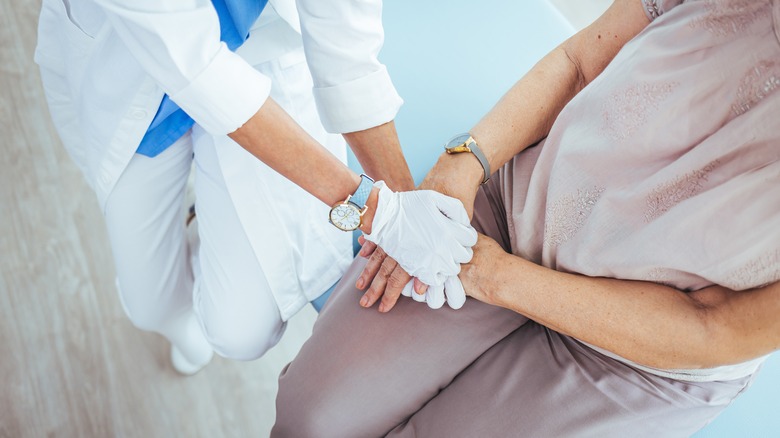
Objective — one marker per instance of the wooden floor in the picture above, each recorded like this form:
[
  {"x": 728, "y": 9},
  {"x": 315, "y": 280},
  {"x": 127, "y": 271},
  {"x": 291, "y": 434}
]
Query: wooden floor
[{"x": 72, "y": 365}]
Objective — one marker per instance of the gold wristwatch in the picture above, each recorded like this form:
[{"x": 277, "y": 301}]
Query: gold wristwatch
[{"x": 466, "y": 143}]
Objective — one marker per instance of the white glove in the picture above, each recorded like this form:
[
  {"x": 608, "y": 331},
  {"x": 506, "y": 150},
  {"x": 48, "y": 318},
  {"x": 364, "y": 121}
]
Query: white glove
[
  {"x": 452, "y": 292},
  {"x": 427, "y": 233}
]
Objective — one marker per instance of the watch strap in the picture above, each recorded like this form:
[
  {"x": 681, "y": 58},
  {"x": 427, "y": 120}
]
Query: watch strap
[
  {"x": 472, "y": 145},
  {"x": 458, "y": 146},
  {"x": 360, "y": 196}
]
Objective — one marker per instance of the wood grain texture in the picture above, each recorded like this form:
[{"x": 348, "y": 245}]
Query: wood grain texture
[{"x": 72, "y": 364}]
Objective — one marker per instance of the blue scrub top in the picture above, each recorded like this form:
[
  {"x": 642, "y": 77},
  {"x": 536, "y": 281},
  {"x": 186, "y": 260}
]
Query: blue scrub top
[{"x": 171, "y": 122}]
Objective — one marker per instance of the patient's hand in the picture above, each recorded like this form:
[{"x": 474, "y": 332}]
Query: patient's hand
[{"x": 478, "y": 276}]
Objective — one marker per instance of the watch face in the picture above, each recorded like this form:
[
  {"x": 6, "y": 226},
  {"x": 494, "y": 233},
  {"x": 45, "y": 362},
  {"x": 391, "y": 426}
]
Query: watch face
[
  {"x": 345, "y": 217},
  {"x": 458, "y": 140}
]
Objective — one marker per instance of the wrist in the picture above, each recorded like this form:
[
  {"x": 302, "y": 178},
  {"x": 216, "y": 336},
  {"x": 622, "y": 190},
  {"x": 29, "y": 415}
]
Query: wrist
[
  {"x": 458, "y": 176},
  {"x": 368, "y": 217},
  {"x": 466, "y": 169},
  {"x": 379, "y": 152},
  {"x": 504, "y": 288}
]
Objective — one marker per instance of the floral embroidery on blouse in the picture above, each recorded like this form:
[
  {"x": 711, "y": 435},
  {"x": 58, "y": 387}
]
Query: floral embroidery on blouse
[
  {"x": 628, "y": 109},
  {"x": 761, "y": 271},
  {"x": 729, "y": 17},
  {"x": 667, "y": 195},
  {"x": 758, "y": 83},
  {"x": 567, "y": 215},
  {"x": 660, "y": 275},
  {"x": 651, "y": 9}
]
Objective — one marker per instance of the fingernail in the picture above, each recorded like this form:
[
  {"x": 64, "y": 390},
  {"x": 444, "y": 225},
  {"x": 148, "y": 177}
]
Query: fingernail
[
  {"x": 359, "y": 284},
  {"x": 364, "y": 301},
  {"x": 382, "y": 308}
]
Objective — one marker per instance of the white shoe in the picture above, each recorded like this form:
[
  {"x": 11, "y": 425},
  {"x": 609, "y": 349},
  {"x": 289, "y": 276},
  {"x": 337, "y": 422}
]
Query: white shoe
[
  {"x": 183, "y": 366},
  {"x": 190, "y": 351}
]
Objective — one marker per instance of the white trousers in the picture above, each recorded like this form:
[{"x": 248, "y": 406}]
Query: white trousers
[{"x": 230, "y": 292}]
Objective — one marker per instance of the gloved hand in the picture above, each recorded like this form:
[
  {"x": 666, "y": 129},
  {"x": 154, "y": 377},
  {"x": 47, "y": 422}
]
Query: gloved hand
[
  {"x": 427, "y": 233},
  {"x": 452, "y": 292}
]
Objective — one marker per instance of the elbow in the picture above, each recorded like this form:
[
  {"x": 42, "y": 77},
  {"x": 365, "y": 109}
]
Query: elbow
[
  {"x": 720, "y": 338},
  {"x": 711, "y": 334},
  {"x": 575, "y": 62},
  {"x": 707, "y": 338}
]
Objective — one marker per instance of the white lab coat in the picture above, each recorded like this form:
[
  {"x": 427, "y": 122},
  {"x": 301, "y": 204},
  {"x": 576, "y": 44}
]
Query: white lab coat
[{"x": 111, "y": 61}]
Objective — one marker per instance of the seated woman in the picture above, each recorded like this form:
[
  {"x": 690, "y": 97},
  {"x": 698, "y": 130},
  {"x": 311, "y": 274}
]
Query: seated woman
[{"x": 626, "y": 281}]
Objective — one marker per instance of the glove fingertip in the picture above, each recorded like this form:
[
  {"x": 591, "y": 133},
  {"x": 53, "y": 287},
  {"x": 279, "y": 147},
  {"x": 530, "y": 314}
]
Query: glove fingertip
[
  {"x": 435, "y": 296},
  {"x": 435, "y": 304},
  {"x": 456, "y": 295},
  {"x": 456, "y": 304},
  {"x": 472, "y": 237}
]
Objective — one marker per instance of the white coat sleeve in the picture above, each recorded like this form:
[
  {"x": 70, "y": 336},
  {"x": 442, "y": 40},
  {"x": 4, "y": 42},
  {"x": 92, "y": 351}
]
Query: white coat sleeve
[
  {"x": 177, "y": 42},
  {"x": 342, "y": 39}
]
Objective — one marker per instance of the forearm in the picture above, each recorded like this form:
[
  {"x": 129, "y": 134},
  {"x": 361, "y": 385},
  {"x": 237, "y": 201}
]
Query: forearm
[
  {"x": 527, "y": 111},
  {"x": 379, "y": 152},
  {"x": 522, "y": 117},
  {"x": 648, "y": 323},
  {"x": 272, "y": 136}
]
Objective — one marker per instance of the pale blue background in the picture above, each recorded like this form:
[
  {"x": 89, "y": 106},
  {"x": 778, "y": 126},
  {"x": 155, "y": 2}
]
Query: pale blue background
[{"x": 451, "y": 61}]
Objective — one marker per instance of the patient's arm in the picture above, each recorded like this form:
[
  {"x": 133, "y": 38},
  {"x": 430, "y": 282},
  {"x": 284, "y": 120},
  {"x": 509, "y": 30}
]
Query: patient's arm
[
  {"x": 653, "y": 325},
  {"x": 521, "y": 118},
  {"x": 527, "y": 111}
]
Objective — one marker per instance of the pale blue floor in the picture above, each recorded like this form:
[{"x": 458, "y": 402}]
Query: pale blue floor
[{"x": 451, "y": 61}]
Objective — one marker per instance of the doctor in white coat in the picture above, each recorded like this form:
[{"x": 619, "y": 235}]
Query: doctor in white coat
[{"x": 268, "y": 165}]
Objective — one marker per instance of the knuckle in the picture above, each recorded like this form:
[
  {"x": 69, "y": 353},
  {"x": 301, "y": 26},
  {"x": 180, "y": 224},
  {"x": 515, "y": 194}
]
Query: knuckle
[
  {"x": 376, "y": 258},
  {"x": 386, "y": 269},
  {"x": 396, "y": 282}
]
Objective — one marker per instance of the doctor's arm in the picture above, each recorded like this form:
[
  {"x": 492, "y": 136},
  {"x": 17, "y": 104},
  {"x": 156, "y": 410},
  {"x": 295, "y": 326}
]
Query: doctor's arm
[
  {"x": 522, "y": 117},
  {"x": 177, "y": 43},
  {"x": 648, "y": 323},
  {"x": 353, "y": 90}
]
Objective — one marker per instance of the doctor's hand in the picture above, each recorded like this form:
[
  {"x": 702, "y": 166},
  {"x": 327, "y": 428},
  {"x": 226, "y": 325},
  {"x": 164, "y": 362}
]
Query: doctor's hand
[{"x": 428, "y": 234}]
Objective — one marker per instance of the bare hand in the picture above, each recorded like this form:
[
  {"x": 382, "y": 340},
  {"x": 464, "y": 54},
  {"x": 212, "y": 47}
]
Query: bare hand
[
  {"x": 387, "y": 280},
  {"x": 478, "y": 276}
]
